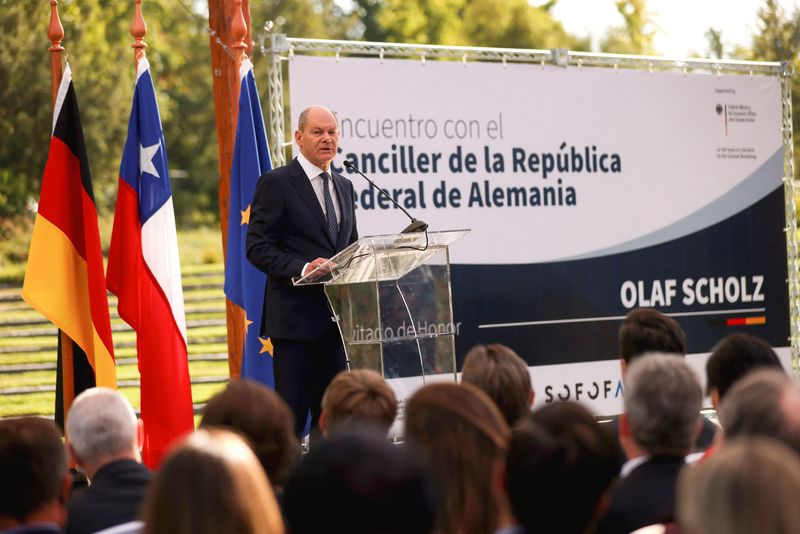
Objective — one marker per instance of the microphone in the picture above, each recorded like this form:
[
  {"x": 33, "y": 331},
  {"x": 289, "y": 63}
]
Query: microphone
[{"x": 415, "y": 226}]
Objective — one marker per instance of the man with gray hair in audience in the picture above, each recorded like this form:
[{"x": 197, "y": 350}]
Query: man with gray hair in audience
[
  {"x": 660, "y": 422},
  {"x": 764, "y": 403},
  {"x": 104, "y": 437}
]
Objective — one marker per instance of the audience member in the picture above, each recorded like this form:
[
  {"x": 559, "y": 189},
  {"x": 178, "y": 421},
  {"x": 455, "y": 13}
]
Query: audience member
[
  {"x": 732, "y": 358},
  {"x": 657, "y": 428},
  {"x": 360, "y": 396},
  {"x": 359, "y": 483},
  {"x": 211, "y": 482},
  {"x": 766, "y": 402},
  {"x": 561, "y": 454},
  {"x": 500, "y": 373},
  {"x": 103, "y": 436},
  {"x": 464, "y": 438},
  {"x": 262, "y": 416},
  {"x": 645, "y": 331},
  {"x": 748, "y": 486},
  {"x": 34, "y": 476}
]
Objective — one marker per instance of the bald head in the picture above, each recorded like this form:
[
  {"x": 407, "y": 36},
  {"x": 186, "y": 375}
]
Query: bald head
[
  {"x": 317, "y": 135},
  {"x": 302, "y": 121}
]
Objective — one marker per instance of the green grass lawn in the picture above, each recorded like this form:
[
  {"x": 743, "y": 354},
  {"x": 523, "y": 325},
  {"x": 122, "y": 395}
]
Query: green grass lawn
[
  {"x": 44, "y": 403},
  {"x": 33, "y": 343}
]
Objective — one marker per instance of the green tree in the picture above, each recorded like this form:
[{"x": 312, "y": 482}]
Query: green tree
[
  {"x": 777, "y": 38},
  {"x": 180, "y": 59},
  {"x": 97, "y": 41},
  {"x": 516, "y": 24},
  {"x": 636, "y": 34},
  {"x": 311, "y": 19},
  {"x": 777, "y": 33},
  {"x": 715, "y": 44},
  {"x": 25, "y": 113},
  {"x": 493, "y": 23}
]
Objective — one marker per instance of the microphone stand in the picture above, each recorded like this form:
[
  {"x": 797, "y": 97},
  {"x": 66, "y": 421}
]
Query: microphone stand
[{"x": 415, "y": 226}]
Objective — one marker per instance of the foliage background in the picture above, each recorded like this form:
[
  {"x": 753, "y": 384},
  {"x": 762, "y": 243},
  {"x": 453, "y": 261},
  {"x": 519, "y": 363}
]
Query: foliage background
[{"x": 97, "y": 39}]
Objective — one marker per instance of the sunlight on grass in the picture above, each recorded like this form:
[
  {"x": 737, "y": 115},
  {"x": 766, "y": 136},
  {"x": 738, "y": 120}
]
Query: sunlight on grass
[
  {"x": 202, "y": 277},
  {"x": 44, "y": 403}
]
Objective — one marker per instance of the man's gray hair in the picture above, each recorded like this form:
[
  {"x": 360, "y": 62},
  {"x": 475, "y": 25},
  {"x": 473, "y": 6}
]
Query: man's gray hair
[
  {"x": 663, "y": 398},
  {"x": 101, "y": 423},
  {"x": 755, "y": 406}
]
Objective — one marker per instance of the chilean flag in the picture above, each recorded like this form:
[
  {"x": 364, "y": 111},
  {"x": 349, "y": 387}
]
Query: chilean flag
[
  {"x": 244, "y": 284},
  {"x": 144, "y": 272}
]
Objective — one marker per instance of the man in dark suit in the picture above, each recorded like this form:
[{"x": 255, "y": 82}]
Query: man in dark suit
[
  {"x": 302, "y": 214},
  {"x": 34, "y": 477},
  {"x": 103, "y": 436},
  {"x": 646, "y": 331},
  {"x": 660, "y": 422}
]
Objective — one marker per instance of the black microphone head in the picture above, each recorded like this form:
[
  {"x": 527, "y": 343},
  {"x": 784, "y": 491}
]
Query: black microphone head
[{"x": 347, "y": 163}]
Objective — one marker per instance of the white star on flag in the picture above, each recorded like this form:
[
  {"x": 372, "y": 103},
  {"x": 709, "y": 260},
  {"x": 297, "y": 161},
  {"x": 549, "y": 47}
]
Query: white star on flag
[{"x": 146, "y": 155}]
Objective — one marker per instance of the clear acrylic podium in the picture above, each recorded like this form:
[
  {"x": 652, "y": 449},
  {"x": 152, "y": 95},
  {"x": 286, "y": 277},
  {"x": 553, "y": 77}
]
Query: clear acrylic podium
[{"x": 392, "y": 301}]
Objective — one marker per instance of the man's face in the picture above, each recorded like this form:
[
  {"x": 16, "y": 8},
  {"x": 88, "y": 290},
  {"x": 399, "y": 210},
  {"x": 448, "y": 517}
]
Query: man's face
[{"x": 319, "y": 137}]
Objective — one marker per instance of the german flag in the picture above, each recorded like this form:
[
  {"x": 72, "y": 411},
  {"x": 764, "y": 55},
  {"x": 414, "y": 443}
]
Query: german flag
[{"x": 64, "y": 279}]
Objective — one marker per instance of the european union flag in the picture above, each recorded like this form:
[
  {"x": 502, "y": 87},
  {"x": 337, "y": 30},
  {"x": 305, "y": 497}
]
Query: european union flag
[{"x": 244, "y": 284}]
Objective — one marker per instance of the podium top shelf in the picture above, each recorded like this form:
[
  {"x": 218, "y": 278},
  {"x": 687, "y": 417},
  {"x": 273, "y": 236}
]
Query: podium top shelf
[{"x": 381, "y": 257}]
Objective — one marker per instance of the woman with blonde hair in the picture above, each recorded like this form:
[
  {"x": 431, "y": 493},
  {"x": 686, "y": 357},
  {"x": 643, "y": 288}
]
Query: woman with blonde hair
[
  {"x": 465, "y": 438},
  {"x": 210, "y": 483},
  {"x": 749, "y": 485}
]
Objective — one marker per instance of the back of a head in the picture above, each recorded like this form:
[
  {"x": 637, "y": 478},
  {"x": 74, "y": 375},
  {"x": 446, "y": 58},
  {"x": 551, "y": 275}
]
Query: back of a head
[
  {"x": 261, "y": 415},
  {"x": 647, "y": 330},
  {"x": 360, "y": 397},
  {"x": 33, "y": 466},
  {"x": 663, "y": 398},
  {"x": 500, "y": 373},
  {"x": 560, "y": 454},
  {"x": 357, "y": 482},
  {"x": 766, "y": 402},
  {"x": 747, "y": 486},
  {"x": 734, "y": 357},
  {"x": 211, "y": 482},
  {"x": 464, "y": 437},
  {"x": 101, "y": 425}
]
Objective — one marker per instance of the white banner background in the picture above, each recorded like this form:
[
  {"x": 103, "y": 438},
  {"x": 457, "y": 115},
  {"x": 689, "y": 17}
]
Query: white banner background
[
  {"x": 691, "y": 150},
  {"x": 664, "y": 127}
]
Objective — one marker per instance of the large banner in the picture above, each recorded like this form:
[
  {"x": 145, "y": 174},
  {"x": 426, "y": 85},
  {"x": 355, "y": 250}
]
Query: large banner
[{"x": 589, "y": 192}]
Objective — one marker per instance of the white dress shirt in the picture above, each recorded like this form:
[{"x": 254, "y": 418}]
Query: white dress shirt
[{"x": 313, "y": 173}]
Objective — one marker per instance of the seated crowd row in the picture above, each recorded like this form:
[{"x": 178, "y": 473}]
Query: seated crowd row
[{"x": 474, "y": 458}]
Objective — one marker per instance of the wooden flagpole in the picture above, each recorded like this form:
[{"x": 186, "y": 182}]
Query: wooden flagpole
[
  {"x": 229, "y": 22},
  {"x": 138, "y": 31}
]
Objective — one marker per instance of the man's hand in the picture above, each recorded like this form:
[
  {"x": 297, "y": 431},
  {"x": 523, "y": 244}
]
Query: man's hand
[{"x": 322, "y": 265}]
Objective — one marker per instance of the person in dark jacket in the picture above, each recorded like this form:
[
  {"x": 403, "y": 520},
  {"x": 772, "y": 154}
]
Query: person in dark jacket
[
  {"x": 103, "y": 436},
  {"x": 657, "y": 428},
  {"x": 34, "y": 477},
  {"x": 302, "y": 215}
]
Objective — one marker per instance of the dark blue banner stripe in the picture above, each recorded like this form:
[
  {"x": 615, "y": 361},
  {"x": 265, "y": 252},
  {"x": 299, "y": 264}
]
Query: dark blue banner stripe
[{"x": 576, "y": 306}]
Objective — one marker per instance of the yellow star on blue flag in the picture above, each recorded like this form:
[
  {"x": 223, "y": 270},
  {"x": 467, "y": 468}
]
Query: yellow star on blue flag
[{"x": 244, "y": 284}]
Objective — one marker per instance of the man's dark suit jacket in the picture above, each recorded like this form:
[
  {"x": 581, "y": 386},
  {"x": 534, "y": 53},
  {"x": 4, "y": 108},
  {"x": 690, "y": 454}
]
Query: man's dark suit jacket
[
  {"x": 287, "y": 230},
  {"x": 114, "y": 497},
  {"x": 36, "y": 528},
  {"x": 704, "y": 440},
  {"x": 645, "y": 497}
]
